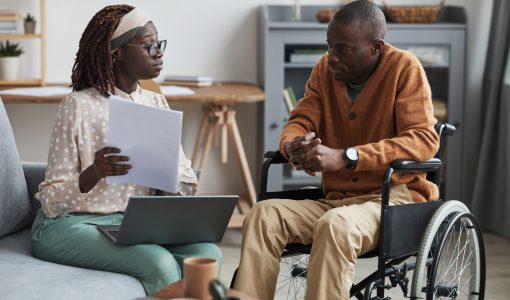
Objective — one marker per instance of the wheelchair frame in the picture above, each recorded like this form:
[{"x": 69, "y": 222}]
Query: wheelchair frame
[{"x": 397, "y": 222}]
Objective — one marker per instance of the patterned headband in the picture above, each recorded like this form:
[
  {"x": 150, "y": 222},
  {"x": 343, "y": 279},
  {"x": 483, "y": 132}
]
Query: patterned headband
[{"x": 128, "y": 27}]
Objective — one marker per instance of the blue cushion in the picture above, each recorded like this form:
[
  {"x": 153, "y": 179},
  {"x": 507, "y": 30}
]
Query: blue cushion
[{"x": 15, "y": 208}]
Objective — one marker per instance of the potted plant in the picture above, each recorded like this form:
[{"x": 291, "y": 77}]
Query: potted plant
[
  {"x": 9, "y": 60},
  {"x": 29, "y": 24}
]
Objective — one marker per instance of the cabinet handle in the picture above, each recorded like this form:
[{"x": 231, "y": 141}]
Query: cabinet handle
[{"x": 273, "y": 125}]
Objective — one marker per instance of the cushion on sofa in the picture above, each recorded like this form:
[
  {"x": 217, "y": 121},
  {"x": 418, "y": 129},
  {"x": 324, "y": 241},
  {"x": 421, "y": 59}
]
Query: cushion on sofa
[
  {"x": 25, "y": 277},
  {"x": 15, "y": 207}
]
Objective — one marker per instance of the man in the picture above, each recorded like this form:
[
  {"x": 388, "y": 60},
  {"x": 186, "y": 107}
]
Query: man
[{"x": 366, "y": 104}]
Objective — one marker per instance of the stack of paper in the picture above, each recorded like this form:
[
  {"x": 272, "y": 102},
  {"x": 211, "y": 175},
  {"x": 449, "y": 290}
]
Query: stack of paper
[
  {"x": 184, "y": 80},
  {"x": 172, "y": 90},
  {"x": 38, "y": 91},
  {"x": 154, "y": 157}
]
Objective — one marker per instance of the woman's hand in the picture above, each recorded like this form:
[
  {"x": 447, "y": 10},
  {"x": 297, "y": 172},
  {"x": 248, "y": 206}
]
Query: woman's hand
[{"x": 106, "y": 163}]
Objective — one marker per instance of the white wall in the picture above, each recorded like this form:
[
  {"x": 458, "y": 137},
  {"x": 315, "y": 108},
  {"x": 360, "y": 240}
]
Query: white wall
[{"x": 217, "y": 38}]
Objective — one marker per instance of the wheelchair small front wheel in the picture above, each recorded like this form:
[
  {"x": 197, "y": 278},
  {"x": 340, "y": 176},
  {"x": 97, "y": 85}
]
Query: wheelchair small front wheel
[{"x": 291, "y": 283}]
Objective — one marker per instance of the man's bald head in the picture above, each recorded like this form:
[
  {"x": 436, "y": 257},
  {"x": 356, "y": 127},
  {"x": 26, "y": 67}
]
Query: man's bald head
[{"x": 365, "y": 16}]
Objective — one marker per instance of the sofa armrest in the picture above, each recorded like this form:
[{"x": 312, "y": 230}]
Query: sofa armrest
[{"x": 34, "y": 175}]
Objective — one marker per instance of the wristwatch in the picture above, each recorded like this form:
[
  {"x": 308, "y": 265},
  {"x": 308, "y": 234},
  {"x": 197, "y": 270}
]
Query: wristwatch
[{"x": 351, "y": 154}]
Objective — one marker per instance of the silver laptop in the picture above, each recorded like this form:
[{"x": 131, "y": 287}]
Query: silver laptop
[{"x": 173, "y": 220}]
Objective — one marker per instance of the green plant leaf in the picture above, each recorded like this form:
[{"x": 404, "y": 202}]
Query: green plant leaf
[{"x": 9, "y": 49}]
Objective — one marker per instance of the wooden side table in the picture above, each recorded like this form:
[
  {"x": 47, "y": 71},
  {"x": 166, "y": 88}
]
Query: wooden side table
[
  {"x": 176, "y": 290},
  {"x": 220, "y": 118}
]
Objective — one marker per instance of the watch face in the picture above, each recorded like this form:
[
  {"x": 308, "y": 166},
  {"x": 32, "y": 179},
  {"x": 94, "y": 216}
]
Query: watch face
[{"x": 351, "y": 154}]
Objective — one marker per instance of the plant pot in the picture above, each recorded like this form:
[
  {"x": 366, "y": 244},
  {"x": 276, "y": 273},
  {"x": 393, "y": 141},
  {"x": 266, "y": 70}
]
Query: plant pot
[
  {"x": 29, "y": 27},
  {"x": 9, "y": 68}
]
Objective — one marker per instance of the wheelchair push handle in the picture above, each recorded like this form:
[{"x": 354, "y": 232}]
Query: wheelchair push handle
[{"x": 445, "y": 129}]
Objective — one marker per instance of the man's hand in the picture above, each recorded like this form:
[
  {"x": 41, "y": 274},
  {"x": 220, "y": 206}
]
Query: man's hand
[
  {"x": 106, "y": 163},
  {"x": 296, "y": 149},
  {"x": 321, "y": 158}
]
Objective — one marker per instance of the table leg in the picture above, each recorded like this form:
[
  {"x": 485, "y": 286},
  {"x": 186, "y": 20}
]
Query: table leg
[
  {"x": 210, "y": 135},
  {"x": 198, "y": 142},
  {"x": 224, "y": 137},
  {"x": 240, "y": 156}
]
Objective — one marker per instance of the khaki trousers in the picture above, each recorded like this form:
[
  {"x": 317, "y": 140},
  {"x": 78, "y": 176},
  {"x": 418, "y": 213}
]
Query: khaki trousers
[{"x": 341, "y": 230}]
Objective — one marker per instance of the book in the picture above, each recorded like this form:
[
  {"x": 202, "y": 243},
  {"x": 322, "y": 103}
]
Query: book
[
  {"x": 292, "y": 96},
  {"x": 10, "y": 18},
  {"x": 188, "y": 83},
  {"x": 188, "y": 80},
  {"x": 306, "y": 55},
  {"x": 287, "y": 101}
]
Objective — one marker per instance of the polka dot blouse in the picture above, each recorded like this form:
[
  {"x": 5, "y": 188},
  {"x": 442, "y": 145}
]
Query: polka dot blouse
[{"x": 80, "y": 129}]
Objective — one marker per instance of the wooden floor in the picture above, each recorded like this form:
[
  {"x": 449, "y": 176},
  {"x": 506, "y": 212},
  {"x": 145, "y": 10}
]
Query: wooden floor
[{"x": 497, "y": 254}]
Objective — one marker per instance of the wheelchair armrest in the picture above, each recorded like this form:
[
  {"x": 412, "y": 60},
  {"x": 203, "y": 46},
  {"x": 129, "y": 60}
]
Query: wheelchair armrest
[
  {"x": 430, "y": 165},
  {"x": 276, "y": 157},
  {"x": 272, "y": 157}
]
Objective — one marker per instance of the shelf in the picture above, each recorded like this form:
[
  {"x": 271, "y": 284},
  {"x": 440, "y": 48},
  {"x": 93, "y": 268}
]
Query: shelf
[
  {"x": 17, "y": 83},
  {"x": 5, "y": 36},
  {"x": 299, "y": 65},
  {"x": 40, "y": 79}
]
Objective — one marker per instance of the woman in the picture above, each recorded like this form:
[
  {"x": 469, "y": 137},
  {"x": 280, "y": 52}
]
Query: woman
[{"x": 118, "y": 47}]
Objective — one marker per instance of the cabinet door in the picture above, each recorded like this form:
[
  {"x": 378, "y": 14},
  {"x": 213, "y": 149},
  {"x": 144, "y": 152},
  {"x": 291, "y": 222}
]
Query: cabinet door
[{"x": 279, "y": 73}]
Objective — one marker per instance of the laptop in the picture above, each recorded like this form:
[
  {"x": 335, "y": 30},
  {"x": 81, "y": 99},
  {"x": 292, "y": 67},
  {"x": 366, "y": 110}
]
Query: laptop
[{"x": 172, "y": 220}]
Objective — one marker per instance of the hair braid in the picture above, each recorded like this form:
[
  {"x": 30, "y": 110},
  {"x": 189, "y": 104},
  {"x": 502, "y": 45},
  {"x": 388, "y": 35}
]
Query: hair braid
[{"x": 93, "y": 66}]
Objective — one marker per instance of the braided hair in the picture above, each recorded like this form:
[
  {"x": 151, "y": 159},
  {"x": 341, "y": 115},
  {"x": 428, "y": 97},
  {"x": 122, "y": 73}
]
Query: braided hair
[{"x": 93, "y": 66}]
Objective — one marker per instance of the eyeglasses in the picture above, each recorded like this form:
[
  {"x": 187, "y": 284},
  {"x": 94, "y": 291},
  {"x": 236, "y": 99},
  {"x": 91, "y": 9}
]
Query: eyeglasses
[{"x": 153, "y": 47}]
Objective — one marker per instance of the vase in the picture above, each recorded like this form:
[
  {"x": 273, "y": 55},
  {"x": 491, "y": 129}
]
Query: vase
[
  {"x": 9, "y": 68},
  {"x": 29, "y": 27}
]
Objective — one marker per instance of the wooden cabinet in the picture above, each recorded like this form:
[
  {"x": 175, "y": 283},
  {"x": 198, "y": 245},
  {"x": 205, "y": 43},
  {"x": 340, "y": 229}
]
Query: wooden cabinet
[
  {"x": 440, "y": 46},
  {"x": 38, "y": 49}
]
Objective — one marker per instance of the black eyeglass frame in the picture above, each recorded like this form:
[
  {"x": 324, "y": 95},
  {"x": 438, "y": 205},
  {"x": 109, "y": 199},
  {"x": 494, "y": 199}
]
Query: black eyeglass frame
[{"x": 152, "y": 48}]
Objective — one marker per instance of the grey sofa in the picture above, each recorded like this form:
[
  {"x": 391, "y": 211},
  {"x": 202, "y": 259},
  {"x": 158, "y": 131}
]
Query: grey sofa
[{"x": 23, "y": 276}]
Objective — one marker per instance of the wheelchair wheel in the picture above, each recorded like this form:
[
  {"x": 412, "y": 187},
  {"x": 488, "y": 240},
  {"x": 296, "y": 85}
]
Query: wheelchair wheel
[
  {"x": 291, "y": 283},
  {"x": 451, "y": 260}
]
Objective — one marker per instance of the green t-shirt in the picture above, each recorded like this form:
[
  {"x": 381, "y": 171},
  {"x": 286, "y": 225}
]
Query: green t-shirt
[{"x": 353, "y": 90}]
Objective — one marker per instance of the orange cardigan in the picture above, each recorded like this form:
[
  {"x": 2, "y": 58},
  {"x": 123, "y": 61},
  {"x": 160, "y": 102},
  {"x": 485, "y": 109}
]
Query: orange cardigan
[{"x": 391, "y": 119}]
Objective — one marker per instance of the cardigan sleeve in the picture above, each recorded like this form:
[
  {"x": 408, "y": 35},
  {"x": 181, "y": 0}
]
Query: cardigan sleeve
[{"x": 414, "y": 119}]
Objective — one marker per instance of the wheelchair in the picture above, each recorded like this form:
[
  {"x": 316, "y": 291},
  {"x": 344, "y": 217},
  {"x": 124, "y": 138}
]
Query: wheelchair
[{"x": 438, "y": 242}]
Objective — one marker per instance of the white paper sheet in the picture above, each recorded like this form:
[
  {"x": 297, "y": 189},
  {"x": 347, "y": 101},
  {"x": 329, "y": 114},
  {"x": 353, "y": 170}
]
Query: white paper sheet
[
  {"x": 151, "y": 137},
  {"x": 38, "y": 91},
  {"x": 171, "y": 90}
]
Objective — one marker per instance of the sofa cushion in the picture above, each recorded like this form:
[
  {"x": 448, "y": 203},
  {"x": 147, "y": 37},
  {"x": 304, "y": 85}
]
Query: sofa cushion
[
  {"x": 15, "y": 208},
  {"x": 26, "y": 277}
]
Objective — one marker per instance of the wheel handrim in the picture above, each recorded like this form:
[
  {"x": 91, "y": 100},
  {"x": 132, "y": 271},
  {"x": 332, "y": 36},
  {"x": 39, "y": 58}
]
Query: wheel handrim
[{"x": 457, "y": 273}]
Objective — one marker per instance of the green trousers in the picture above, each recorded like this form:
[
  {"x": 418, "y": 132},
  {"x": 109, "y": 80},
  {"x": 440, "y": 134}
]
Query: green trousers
[{"x": 74, "y": 240}]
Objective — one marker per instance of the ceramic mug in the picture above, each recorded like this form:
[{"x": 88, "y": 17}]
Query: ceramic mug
[{"x": 198, "y": 273}]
